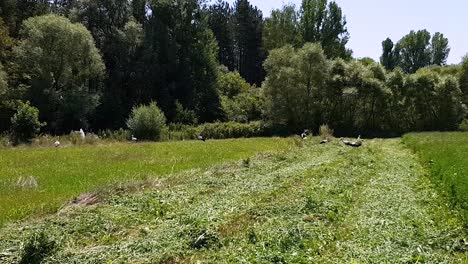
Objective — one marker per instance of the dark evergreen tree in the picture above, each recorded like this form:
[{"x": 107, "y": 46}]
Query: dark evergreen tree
[
  {"x": 249, "y": 41},
  {"x": 389, "y": 58},
  {"x": 220, "y": 22}
]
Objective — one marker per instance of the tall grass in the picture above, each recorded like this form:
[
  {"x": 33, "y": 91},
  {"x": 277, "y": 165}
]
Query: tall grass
[
  {"x": 446, "y": 155},
  {"x": 63, "y": 173}
]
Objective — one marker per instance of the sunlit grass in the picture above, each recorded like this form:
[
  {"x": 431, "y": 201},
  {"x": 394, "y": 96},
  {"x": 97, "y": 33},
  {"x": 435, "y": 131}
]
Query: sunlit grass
[
  {"x": 446, "y": 154},
  {"x": 39, "y": 180},
  {"x": 313, "y": 204}
]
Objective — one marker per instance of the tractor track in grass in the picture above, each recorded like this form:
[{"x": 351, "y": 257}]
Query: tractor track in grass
[{"x": 316, "y": 204}]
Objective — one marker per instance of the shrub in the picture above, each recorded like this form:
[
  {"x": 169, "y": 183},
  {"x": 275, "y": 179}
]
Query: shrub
[
  {"x": 116, "y": 135},
  {"x": 25, "y": 123},
  {"x": 184, "y": 116},
  {"x": 232, "y": 130},
  {"x": 37, "y": 248},
  {"x": 464, "y": 126},
  {"x": 325, "y": 131},
  {"x": 231, "y": 84},
  {"x": 146, "y": 122}
]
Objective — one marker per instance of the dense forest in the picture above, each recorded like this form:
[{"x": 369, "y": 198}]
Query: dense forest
[{"x": 71, "y": 64}]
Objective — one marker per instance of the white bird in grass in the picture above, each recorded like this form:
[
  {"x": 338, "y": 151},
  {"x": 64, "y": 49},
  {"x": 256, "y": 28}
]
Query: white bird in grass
[
  {"x": 82, "y": 133},
  {"x": 325, "y": 141},
  {"x": 57, "y": 143},
  {"x": 134, "y": 139},
  {"x": 201, "y": 138}
]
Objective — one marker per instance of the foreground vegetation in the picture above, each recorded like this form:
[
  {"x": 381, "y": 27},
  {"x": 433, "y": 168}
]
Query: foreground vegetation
[
  {"x": 446, "y": 156},
  {"x": 39, "y": 180},
  {"x": 316, "y": 204}
]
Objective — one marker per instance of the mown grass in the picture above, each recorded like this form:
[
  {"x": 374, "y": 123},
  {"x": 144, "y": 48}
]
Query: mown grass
[
  {"x": 446, "y": 155},
  {"x": 39, "y": 180},
  {"x": 316, "y": 204}
]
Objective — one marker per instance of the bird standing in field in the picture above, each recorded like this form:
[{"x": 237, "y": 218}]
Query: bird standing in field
[
  {"x": 82, "y": 133},
  {"x": 134, "y": 139},
  {"x": 325, "y": 141},
  {"x": 201, "y": 138},
  {"x": 57, "y": 143}
]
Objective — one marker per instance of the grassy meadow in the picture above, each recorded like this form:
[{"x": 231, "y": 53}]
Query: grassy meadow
[
  {"x": 39, "y": 180},
  {"x": 312, "y": 204},
  {"x": 446, "y": 156}
]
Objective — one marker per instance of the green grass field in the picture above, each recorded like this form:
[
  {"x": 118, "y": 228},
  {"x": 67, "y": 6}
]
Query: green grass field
[
  {"x": 312, "y": 204},
  {"x": 446, "y": 155},
  {"x": 64, "y": 173}
]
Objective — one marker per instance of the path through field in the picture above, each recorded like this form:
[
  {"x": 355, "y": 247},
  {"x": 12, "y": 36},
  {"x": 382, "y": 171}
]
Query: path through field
[{"x": 317, "y": 204}]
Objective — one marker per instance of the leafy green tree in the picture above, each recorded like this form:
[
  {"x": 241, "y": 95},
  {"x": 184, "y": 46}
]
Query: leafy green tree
[
  {"x": 25, "y": 124},
  {"x": 14, "y": 12},
  {"x": 63, "y": 68},
  {"x": 248, "y": 33},
  {"x": 231, "y": 84},
  {"x": 181, "y": 52},
  {"x": 220, "y": 22},
  {"x": 294, "y": 83},
  {"x": 147, "y": 122},
  {"x": 417, "y": 50},
  {"x": 440, "y": 49},
  {"x": 464, "y": 80},
  {"x": 325, "y": 23},
  {"x": 450, "y": 110},
  {"x": 390, "y": 56},
  {"x": 119, "y": 37},
  {"x": 6, "y": 42},
  {"x": 414, "y": 50},
  {"x": 244, "y": 107},
  {"x": 282, "y": 28}
]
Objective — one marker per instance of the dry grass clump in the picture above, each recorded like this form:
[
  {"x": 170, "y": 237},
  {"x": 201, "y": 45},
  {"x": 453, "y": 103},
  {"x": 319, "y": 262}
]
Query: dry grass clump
[{"x": 29, "y": 182}]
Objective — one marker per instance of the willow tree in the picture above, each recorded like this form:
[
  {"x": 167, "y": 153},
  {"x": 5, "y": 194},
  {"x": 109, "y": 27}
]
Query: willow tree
[{"x": 62, "y": 68}]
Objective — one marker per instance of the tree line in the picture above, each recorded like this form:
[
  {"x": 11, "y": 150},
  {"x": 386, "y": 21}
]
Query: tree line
[{"x": 86, "y": 64}]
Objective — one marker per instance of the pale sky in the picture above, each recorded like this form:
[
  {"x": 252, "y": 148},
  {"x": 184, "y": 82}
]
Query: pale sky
[{"x": 372, "y": 21}]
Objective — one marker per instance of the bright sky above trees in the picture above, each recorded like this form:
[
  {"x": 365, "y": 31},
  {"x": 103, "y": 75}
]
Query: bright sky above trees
[{"x": 370, "y": 22}]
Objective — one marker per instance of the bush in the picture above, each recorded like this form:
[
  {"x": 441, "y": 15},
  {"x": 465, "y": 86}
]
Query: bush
[
  {"x": 37, "y": 249},
  {"x": 120, "y": 135},
  {"x": 325, "y": 131},
  {"x": 146, "y": 122},
  {"x": 25, "y": 123},
  {"x": 232, "y": 130},
  {"x": 464, "y": 126}
]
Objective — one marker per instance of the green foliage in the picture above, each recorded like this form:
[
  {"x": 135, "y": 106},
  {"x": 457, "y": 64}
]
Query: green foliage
[
  {"x": 325, "y": 131},
  {"x": 232, "y": 130},
  {"x": 220, "y": 22},
  {"x": 445, "y": 155},
  {"x": 415, "y": 51},
  {"x": 464, "y": 126},
  {"x": 63, "y": 67},
  {"x": 231, "y": 84},
  {"x": 464, "y": 80},
  {"x": 324, "y": 23},
  {"x": 359, "y": 97},
  {"x": 25, "y": 124},
  {"x": 248, "y": 35},
  {"x": 147, "y": 122},
  {"x": 245, "y": 107},
  {"x": 184, "y": 116},
  {"x": 294, "y": 81},
  {"x": 282, "y": 28},
  {"x": 37, "y": 248},
  {"x": 390, "y": 56}
]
